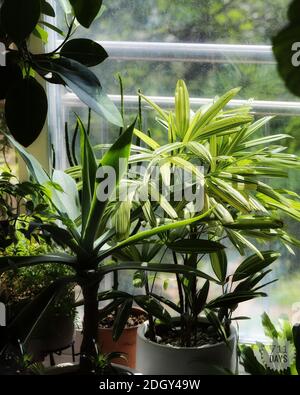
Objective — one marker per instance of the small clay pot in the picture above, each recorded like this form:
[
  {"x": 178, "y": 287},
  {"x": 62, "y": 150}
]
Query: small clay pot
[{"x": 126, "y": 343}]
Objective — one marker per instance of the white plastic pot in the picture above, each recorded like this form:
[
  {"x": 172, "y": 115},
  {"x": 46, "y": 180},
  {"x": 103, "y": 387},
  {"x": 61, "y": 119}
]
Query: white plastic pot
[{"x": 159, "y": 359}]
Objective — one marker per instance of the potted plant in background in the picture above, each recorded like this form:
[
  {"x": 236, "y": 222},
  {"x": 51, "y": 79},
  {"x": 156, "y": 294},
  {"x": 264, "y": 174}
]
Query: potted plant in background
[
  {"x": 243, "y": 208},
  {"x": 280, "y": 357}
]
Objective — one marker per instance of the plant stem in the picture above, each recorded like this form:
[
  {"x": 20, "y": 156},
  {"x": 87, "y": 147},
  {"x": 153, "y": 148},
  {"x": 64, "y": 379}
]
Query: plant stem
[
  {"x": 90, "y": 325},
  {"x": 152, "y": 336},
  {"x": 181, "y": 299}
]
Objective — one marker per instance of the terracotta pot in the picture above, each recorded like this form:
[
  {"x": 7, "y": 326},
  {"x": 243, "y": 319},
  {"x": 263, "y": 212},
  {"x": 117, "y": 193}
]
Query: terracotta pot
[{"x": 126, "y": 343}]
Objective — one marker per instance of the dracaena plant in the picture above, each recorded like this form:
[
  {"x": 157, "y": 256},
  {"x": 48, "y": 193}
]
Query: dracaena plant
[
  {"x": 26, "y": 103},
  {"x": 86, "y": 241},
  {"x": 245, "y": 209}
]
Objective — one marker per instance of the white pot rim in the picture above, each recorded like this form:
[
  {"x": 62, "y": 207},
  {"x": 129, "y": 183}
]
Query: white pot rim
[{"x": 142, "y": 329}]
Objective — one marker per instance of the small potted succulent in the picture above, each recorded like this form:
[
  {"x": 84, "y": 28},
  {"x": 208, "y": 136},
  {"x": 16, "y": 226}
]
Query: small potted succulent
[{"x": 235, "y": 164}]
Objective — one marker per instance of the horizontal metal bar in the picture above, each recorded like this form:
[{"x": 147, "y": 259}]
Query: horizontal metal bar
[
  {"x": 259, "y": 106},
  {"x": 189, "y": 52}
]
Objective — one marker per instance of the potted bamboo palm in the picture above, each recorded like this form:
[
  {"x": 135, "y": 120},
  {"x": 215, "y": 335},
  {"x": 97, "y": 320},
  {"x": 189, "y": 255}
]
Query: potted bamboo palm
[{"x": 245, "y": 210}]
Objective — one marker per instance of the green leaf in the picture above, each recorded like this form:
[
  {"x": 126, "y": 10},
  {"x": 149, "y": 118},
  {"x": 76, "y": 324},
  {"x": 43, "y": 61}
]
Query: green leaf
[
  {"x": 215, "y": 108},
  {"x": 250, "y": 362},
  {"x": 114, "y": 294},
  {"x": 155, "y": 231},
  {"x": 182, "y": 109},
  {"x": 19, "y": 18},
  {"x": 222, "y": 127},
  {"x": 40, "y": 33},
  {"x": 152, "y": 267},
  {"x": 268, "y": 326},
  {"x": 89, "y": 170},
  {"x": 254, "y": 264},
  {"x": 167, "y": 302},
  {"x": 218, "y": 262},
  {"x": 249, "y": 283},
  {"x": 84, "y": 83},
  {"x": 14, "y": 262},
  {"x": 195, "y": 246},
  {"x": 216, "y": 323},
  {"x": 26, "y": 109},
  {"x": 152, "y": 307},
  {"x": 86, "y": 10},
  {"x": 69, "y": 197},
  {"x": 84, "y": 51},
  {"x": 233, "y": 298},
  {"x": 122, "y": 318},
  {"x": 255, "y": 222},
  {"x": 52, "y": 27},
  {"x": 116, "y": 158},
  {"x": 201, "y": 298},
  {"x": 146, "y": 139}
]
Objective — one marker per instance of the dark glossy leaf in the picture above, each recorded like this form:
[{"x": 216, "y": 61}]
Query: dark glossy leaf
[
  {"x": 84, "y": 51},
  {"x": 86, "y": 10},
  {"x": 152, "y": 307},
  {"x": 114, "y": 294},
  {"x": 254, "y": 264},
  {"x": 216, "y": 323},
  {"x": 167, "y": 302},
  {"x": 218, "y": 262},
  {"x": 9, "y": 76},
  {"x": 84, "y": 83},
  {"x": 19, "y": 18},
  {"x": 294, "y": 12},
  {"x": 250, "y": 282},
  {"x": 121, "y": 318},
  {"x": 60, "y": 236},
  {"x": 255, "y": 223},
  {"x": 47, "y": 9},
  {"x": 197, "y": 246},
  {"x": 26, "y": 109},
  {"x": 13, "y": 262},
  {"x": 201, "y": 298},
  {"x": 108, "y": 309},
  {"x": 233, "y": 298}
]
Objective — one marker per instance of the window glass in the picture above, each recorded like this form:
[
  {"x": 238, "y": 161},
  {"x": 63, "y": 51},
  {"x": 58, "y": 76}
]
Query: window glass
[{"x": 223, "y": 44}]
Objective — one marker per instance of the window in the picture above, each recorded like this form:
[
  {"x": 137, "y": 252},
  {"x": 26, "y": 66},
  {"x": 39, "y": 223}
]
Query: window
[{"x": 214, "y": 45}]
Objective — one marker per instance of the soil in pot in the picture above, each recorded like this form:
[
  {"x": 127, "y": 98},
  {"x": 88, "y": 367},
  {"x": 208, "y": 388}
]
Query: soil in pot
[
  {"x": 127, "y": 341},
  {"x": 204, "y": 335}
]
